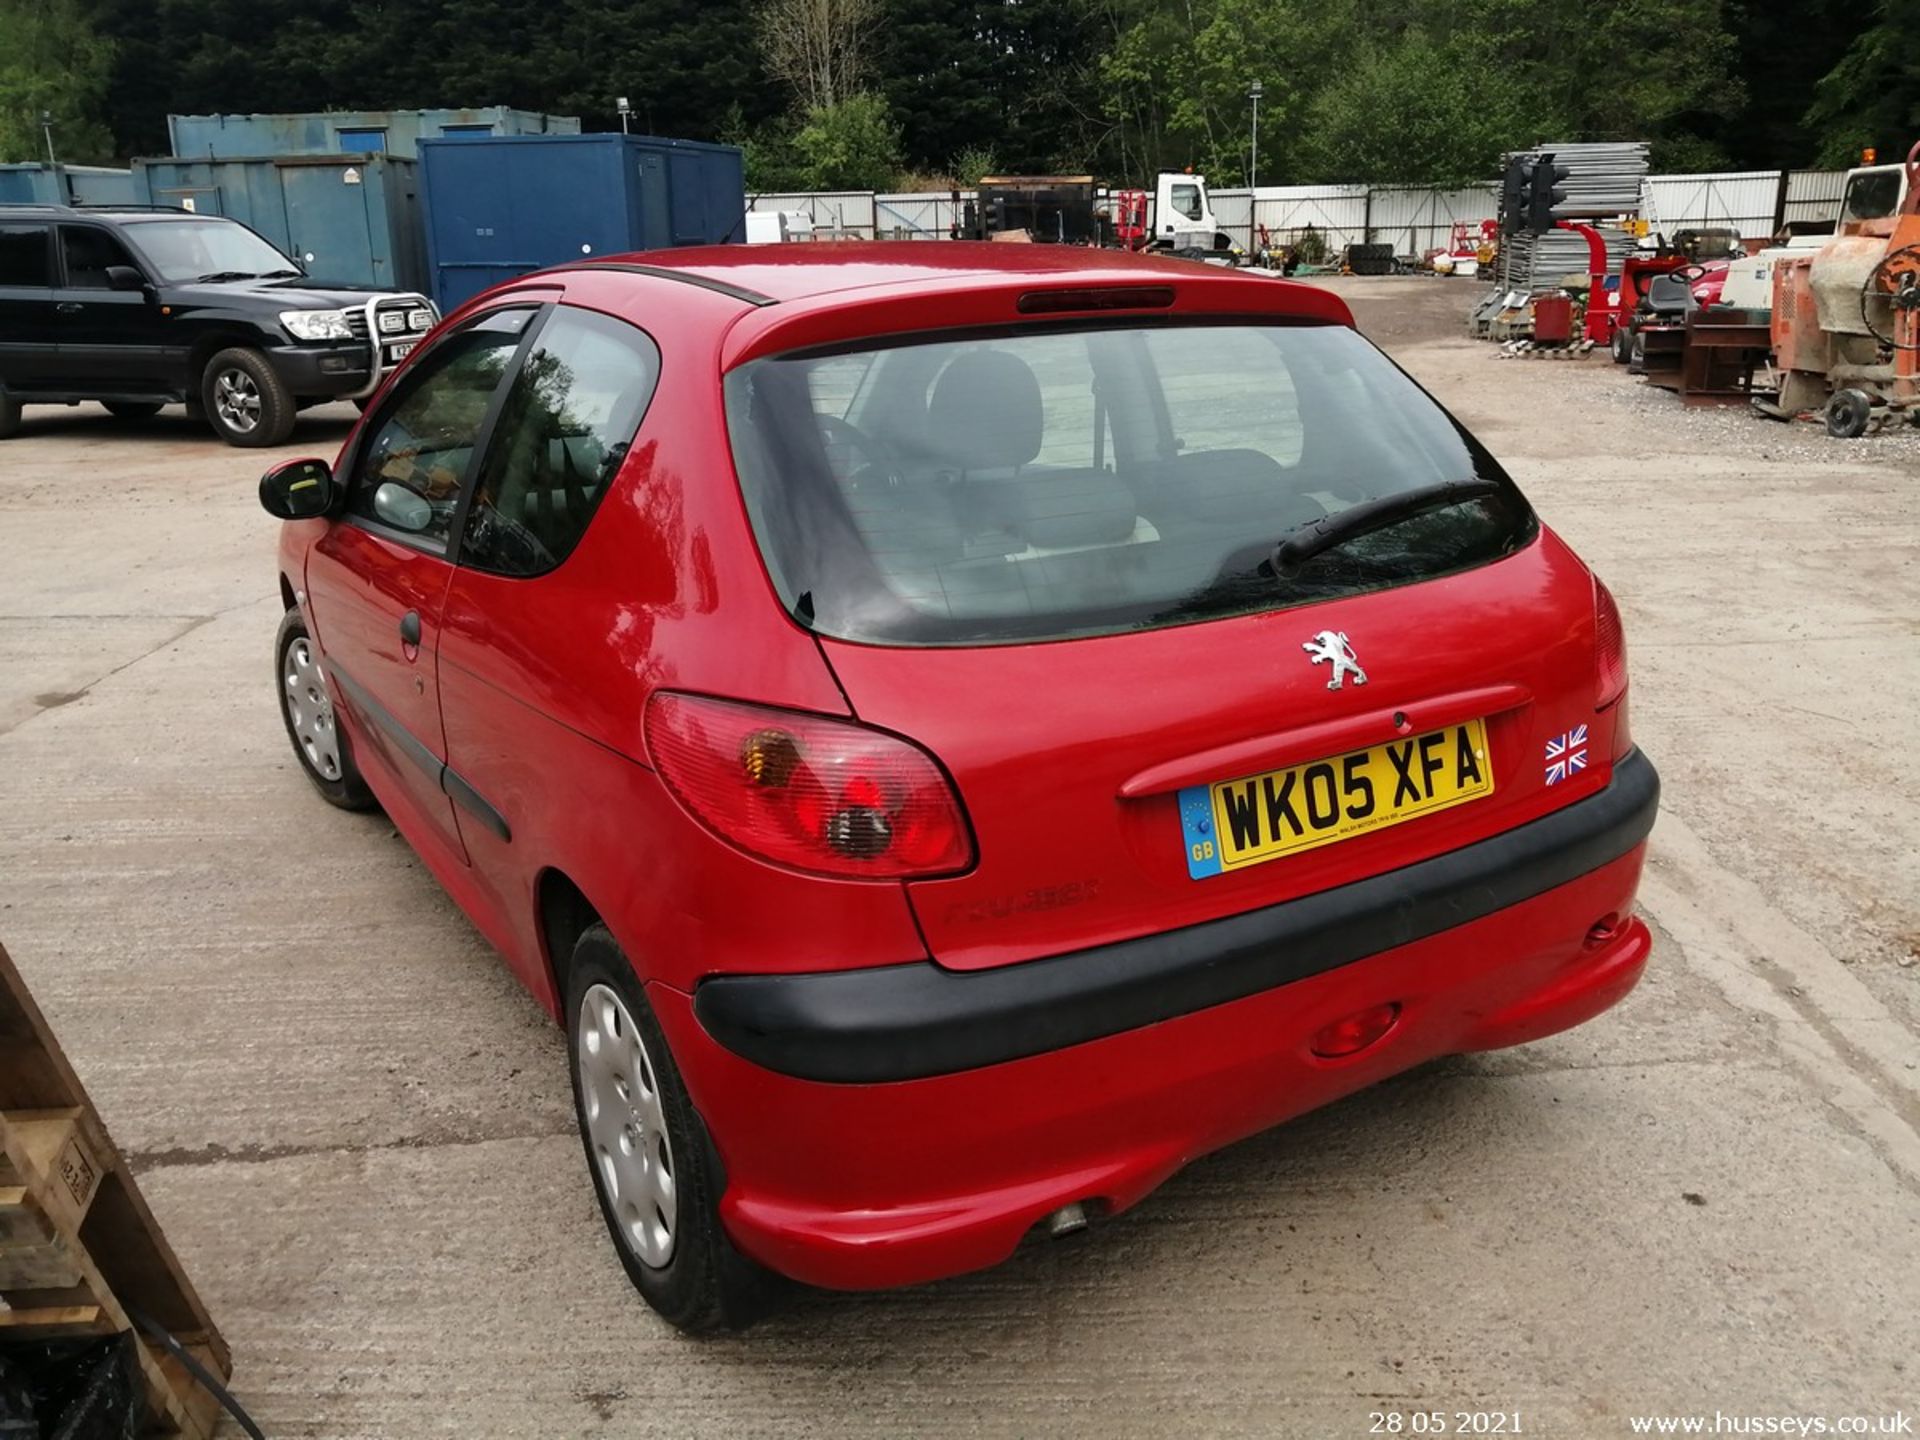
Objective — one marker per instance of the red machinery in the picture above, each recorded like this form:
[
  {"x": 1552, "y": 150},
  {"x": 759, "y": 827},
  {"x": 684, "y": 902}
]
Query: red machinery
[
  {"x": 1130, "y": 218},
  {"x": 1600, "y": 313},
  {"x": 1846, "y": 319}
]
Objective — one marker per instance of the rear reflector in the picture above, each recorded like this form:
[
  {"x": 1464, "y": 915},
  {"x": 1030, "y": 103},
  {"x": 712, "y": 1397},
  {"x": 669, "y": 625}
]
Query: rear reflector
[
  {"x": 1355, "y": 1033},
  {"x": 822, "y": 795},
  {"x": 1115, "y": 297}
]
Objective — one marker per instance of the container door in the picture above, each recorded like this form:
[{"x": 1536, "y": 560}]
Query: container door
[
  {"x": 691, "y": 225},
  {"x": 654, "y": 230},
  {"x": 327, "y": 219}
]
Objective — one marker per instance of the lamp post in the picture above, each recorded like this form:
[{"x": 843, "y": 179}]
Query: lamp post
[{"x": 1253, "y": 165}]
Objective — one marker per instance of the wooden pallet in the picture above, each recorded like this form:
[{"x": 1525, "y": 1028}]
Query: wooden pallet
[{"x": 77, "y": 1242}]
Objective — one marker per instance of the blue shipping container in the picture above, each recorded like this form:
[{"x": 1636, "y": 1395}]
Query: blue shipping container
[
  {"x": 36, "y": 184},
  {"x": 350, "y": 218},
  {"x": 334, "y": 132},
  {"x": 499, "y": 207}
]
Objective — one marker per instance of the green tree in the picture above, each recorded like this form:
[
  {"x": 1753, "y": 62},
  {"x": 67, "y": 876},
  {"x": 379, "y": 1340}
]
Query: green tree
[
  {"x": 1872, "y": 96},
  {"x": 1410, "y": 111},
  {"x": 1178, "y": 75},
  {"x": 52, "y": 62},
  {"x": 854, "y": 145}
]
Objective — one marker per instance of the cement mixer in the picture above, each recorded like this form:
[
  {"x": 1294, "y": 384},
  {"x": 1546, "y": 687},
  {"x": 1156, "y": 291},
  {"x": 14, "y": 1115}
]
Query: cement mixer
[{"x": 1846, "y": 318}]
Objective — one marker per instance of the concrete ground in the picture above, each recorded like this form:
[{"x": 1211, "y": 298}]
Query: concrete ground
[{"x": 356, "y": 1128}]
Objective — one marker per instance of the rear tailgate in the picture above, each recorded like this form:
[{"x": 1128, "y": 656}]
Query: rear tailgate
[{"x": 1070, "y": 755}]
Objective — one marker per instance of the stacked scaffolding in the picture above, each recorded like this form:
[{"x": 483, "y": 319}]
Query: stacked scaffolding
[{"x": 1603, "y": 181}]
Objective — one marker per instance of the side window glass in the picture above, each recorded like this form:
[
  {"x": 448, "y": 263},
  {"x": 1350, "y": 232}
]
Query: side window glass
[
  {"x": 411, "y": 465},
  {"x": 25, "y": 260},
  {"x": 564, "y": 429},
  {"x": 88, "y": 252}
]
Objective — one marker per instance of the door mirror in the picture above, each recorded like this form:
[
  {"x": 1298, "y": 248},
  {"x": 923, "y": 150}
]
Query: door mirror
[
  {"x": 401, "y": 508},
  {"x": 125, "y": 277},
  {"x": 298, "y": 490}
]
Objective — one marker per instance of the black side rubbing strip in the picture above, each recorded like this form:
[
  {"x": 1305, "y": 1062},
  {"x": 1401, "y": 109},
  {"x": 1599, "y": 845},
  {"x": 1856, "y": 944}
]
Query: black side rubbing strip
[
  {"x": 450, "y": 781},
  {"x": 907, "y": 1022}
]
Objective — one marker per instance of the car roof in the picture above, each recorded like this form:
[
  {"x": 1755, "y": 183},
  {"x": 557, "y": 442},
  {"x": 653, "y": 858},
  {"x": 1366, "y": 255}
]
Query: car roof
[
  {"x": 804, "y": 270},
  {"x": 42, "y": 210}
]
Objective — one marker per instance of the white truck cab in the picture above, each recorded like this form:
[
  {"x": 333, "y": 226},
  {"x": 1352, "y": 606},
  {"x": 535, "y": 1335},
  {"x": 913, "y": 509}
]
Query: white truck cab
[{"x": 1183, "y": 217}]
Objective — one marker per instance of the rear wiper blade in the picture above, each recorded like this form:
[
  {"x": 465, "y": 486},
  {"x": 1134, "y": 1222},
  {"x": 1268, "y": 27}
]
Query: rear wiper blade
[{"x": 1368, "y": 516}]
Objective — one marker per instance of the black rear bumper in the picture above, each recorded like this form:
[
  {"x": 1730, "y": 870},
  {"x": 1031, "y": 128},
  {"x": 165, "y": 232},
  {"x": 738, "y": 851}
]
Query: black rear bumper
[{"x": 907, "y": 1022}]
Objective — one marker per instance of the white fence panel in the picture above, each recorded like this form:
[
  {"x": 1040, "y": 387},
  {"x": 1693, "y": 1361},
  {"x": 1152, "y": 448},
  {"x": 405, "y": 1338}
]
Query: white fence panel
[
  {"x": 1747, "y": 202},
  {"x": 847, "y": 212},
  {"x": 926, "y": 215},
  {"x": 1415, "y": 220},
  {"x": 1234, "y": 210},
  {"x": 1813, "y": 196},
  {"x": 1337, "y": 213}
]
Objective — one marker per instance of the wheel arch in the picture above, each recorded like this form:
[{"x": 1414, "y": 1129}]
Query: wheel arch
[
  {"x": 563, "y": 914},
  {"x": 205, "y": 347}
]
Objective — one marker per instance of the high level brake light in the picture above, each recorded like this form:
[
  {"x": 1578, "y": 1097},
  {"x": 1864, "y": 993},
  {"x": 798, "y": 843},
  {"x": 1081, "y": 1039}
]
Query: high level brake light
[{"x": 828, "y": 796}]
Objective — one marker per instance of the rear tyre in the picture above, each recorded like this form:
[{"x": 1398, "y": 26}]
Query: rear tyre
[
  {"x": 319, "y": 744},
  {"x": 246, "y": 401},
  {"x": 132, "y": 409},
  {"x": 9, "y": 415},
  {"x": 655, "y": 1171},
  {"x": 1848, "y": 414}
]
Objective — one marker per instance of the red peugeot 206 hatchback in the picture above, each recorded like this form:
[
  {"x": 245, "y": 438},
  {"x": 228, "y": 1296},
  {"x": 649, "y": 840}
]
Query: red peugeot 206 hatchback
[{"x": 955, "y": 732}]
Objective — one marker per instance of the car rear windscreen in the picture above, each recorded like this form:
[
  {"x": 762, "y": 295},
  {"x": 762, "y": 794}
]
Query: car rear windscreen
[{"x": 1048, "y": 483}]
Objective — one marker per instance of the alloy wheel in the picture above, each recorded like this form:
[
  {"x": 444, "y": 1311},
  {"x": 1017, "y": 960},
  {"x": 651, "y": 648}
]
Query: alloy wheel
[{"x": 236, "y": 398}]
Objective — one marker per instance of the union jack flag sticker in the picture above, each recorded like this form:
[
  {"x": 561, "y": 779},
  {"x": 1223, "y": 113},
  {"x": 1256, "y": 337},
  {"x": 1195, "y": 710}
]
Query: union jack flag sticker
[{"x": 1566, "y": 754}]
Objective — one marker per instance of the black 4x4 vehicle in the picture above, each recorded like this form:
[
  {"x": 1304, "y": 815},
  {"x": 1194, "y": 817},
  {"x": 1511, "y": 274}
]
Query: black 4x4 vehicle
[{"x": 139, "y": 307}]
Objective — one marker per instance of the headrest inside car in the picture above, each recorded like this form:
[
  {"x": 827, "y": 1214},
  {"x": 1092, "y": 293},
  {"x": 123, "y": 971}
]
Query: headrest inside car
[
  {"x": 985, "y": 413},
  {"x": 1058, "y": 509}
]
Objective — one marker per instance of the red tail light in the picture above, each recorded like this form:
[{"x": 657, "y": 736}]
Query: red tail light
[
  {"x": 827, "y": 796},
  {"x": 1609, "y": 648}
]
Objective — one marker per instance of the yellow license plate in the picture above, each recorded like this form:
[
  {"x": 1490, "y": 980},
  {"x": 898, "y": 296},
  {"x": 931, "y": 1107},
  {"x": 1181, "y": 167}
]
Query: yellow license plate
[{"x": 1231, "y": 824}]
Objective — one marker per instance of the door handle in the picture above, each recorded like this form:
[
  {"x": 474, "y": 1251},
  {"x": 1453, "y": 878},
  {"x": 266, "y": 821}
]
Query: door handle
[
  {"x": 410, "y": 628},
  {"x": 69, "y": 307}
]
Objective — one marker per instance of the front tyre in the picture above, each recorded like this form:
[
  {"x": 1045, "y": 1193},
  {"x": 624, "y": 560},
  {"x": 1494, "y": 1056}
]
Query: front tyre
[
  {"x": 245, "y": 400},
  {"x": 655, "y": 1172},
  {"x": 319, "y": 744}
]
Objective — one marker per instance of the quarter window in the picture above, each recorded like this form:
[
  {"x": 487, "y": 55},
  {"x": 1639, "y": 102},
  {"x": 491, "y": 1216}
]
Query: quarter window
[
  {"x": 88, "y": 253},
  {"x": 564, "y": 429},
  {"x": 24, "y": 259},
  {"x": 423, "y": 442}
]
